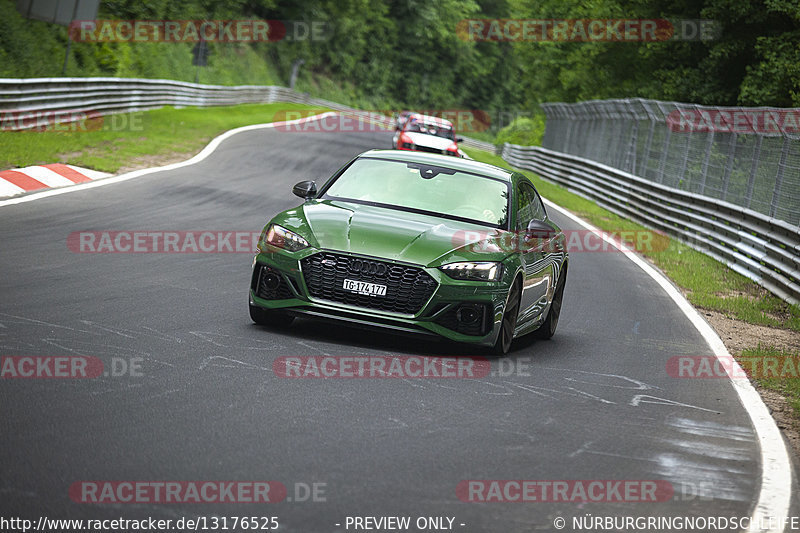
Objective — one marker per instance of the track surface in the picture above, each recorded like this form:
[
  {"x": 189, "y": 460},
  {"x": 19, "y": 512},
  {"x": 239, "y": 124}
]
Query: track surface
[{"x": 595, "y": 402}]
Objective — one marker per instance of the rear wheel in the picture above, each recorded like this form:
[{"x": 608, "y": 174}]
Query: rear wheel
[
  {"x": 509, "y": 323},
  {"x": 268, "y": 317},
  {"x": 548, "y": 327}
]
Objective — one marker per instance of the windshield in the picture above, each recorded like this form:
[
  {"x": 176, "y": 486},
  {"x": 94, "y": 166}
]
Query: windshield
[
  {"x": 416, "y": 125},
  {"x": 418, "y": 187}
]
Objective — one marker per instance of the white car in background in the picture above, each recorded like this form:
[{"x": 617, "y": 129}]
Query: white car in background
[{"x": 424, "y": 133}]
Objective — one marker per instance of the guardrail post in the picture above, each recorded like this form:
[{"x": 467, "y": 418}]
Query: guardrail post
[
  {"x": 776, "y": 192},
  {"x": 570, "y": 130},
  {"x": 663, "y": 160},
  {"x": 684, "y": 164},
  {"x": 648, "y": 144},
  {"x": 726, "y": 177},
  {"x": 629, "y": 163},
  {"x": 753, "y": 170},
  {"x": 709, "y": 147}
]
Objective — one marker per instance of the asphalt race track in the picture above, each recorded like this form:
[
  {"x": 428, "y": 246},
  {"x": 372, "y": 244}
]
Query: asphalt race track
[{"x": 594, "y": 403}]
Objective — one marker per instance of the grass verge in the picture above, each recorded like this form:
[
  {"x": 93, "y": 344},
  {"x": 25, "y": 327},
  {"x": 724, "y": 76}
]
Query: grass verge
[
  {"x": 110, "y": 143},
  {"x": 777, "y": 370}
]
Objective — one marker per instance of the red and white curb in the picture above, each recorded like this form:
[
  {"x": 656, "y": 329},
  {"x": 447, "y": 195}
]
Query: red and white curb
[{"x": 22, "y": 180}]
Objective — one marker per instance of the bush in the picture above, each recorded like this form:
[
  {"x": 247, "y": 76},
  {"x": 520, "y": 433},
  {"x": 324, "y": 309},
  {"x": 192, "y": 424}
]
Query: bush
[{"x": 524, "y": 131}]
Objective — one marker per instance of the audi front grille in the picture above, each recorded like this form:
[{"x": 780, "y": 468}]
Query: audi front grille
[{"x": 408, "y": 287}]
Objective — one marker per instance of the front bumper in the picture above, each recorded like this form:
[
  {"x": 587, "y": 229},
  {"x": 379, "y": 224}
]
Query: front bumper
[{"x": 462, "y": 311}]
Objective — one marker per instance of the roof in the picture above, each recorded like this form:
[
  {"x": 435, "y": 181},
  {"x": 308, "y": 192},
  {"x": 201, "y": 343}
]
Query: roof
[
  {"x": 431, "y": 119},
  {"x": 457, "y": 163}
]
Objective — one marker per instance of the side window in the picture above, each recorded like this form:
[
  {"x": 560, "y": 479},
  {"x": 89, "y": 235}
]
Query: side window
[
  {"x": 529, "y": 206},
  {"x": 537, "y": 206},
  {"x": 524, "y": 206}
]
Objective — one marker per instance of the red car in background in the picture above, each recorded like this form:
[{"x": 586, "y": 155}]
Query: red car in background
[{"x": 425, "y": 133}]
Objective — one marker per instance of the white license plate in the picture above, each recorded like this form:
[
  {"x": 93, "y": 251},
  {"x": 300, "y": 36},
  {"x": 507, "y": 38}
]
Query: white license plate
[{"x": 362, "y": 287}]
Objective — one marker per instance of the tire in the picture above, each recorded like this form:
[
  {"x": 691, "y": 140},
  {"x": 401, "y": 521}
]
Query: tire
[
  {"x": 267, "y": 317},
  {"x": 548, "y": 327},
  {"x": 509, "y": 322}
]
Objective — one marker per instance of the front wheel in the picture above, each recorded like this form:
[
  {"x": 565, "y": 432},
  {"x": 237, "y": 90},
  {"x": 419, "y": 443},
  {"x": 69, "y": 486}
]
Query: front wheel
[
  {"x": 548, "y": 327},
  {"x": 267, "y": 317},
  {"x": 509, "y": 323}
]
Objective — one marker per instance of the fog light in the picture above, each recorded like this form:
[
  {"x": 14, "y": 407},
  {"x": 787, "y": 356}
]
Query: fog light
[
  {"x": 468, "y": 314},
  {"x": 271, "y": 281}
]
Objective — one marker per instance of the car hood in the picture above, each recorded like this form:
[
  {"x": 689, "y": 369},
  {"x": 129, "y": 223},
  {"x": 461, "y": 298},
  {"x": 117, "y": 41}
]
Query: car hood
[
  {"x": 392, "y": 234},
  {"x": 431, "y": 141}
]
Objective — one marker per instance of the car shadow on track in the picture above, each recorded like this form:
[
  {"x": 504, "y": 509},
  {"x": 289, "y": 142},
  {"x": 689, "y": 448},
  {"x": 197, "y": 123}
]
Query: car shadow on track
[{"x": 368, "y": 338}]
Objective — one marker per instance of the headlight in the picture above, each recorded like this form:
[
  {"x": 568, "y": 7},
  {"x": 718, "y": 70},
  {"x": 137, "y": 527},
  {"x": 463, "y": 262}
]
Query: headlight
[
  {"x": 281, "y": 237},
  {"x": 474, "y": 271}
]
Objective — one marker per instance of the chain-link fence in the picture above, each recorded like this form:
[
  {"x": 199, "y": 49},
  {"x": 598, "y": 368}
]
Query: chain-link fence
[{"x": 749, "y": 157}]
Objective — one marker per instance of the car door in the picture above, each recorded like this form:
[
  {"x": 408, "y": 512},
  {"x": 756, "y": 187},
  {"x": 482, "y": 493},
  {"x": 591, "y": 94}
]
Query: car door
[{"x": 534, "y": 254}]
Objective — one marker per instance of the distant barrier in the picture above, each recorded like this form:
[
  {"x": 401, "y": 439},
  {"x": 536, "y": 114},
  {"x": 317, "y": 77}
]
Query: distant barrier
[
  {"x": 38, "y": 101},
  {"x": 746, "y": 156},
  {"x": 762, "y": 248}
]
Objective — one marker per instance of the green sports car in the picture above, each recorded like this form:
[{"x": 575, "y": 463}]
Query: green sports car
[{"x": 419, "y": 243}]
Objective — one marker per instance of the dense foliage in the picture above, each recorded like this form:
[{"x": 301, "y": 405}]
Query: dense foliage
[{"x": 393, "y": 53}]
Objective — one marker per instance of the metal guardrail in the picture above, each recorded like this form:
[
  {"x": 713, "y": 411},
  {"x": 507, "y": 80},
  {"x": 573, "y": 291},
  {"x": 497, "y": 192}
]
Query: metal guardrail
[
  {"x": 480, "y": 145},
  {"x": 54, "y": 98},
  {"x": 762, "y": 248},
  {"x": 51, "y": 100}
]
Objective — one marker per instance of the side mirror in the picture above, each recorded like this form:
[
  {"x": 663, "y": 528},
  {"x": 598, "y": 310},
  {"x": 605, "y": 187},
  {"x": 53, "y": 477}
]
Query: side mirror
[
  {"x": 305, "y": 189},
  {"x": 459, "y": 139},
  {"x": 539, "y": 229}
]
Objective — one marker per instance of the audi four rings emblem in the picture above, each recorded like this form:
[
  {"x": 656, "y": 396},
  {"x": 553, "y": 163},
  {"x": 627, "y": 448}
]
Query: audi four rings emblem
[{"x": 367, "y": 267}]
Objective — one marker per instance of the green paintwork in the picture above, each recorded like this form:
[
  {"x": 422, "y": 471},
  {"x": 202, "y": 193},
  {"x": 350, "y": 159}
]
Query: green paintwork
[
  {"x": 402, "y": 236},
  {"x": 386, "y": 233}
]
